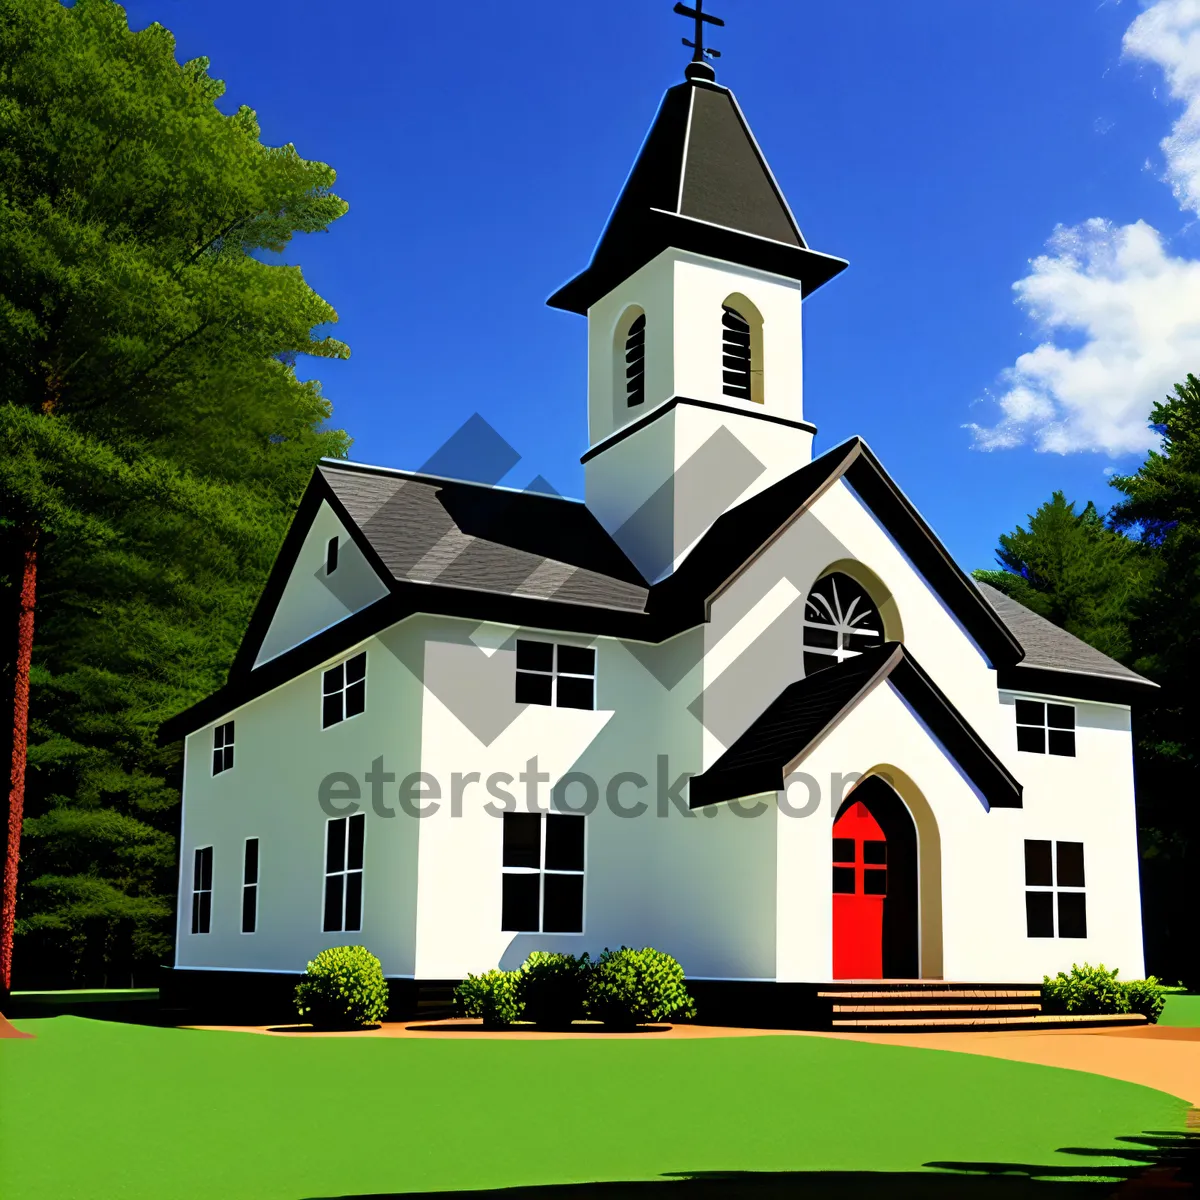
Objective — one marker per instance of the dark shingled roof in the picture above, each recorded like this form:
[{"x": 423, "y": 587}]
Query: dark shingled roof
[
  {"x": 1049, "y": 647},
  {"x": 469, "y": 535},
  {"x": 700, "y": 183},
  {"x": 807, "y": 710}
]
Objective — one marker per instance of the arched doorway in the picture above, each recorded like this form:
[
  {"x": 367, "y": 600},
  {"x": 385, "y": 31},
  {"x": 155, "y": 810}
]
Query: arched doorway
[{"x": 876, "y": 919}]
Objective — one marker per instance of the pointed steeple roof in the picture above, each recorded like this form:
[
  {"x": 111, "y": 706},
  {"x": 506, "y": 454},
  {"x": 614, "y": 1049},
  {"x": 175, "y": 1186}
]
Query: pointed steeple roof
[{"x": 700, "y": 183}]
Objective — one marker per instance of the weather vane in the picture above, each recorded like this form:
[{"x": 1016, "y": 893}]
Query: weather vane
[{"x": 699, "y": 51}]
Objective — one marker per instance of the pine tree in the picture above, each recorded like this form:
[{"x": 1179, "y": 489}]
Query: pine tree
[{"x": 155, "y": 435}]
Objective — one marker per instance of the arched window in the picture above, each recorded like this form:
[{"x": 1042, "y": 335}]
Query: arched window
[
  {"x": 741, "y": 350},
  {"x": 635, "y": 362},
  {"x": 840, "y": 621}
]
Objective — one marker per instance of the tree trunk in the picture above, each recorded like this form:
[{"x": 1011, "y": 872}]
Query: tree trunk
[{"x": 20, "y": 733}]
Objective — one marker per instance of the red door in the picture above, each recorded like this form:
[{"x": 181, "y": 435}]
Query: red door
[{"x": 859, "y": 888}]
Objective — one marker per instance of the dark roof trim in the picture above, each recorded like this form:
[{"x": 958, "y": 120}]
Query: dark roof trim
[
  {"x": 760, "y": 760},
  {"x": 661, "y": 411},
  {"x": 1075, "y": 685}
]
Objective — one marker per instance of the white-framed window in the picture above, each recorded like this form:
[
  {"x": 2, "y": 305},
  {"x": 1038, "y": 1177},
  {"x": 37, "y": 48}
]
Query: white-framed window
[
  {"x": 557, "y": 675},
  {"x": 223, "y": 748},
  {"x": 250, "y": 886},
  {"x": 840, "y": 622},
  {"x": 202, "y": 874},
  {"x": 543, "y": 873},
  {"x": 344, "y": 873},
  {"x": 331, "y": 556},
  {"x": 344, "y": 690},
  {"x": 635, "y": 362},
  {"x": 1055, "y": 901},
  {"x": 1045, "y": 728}
]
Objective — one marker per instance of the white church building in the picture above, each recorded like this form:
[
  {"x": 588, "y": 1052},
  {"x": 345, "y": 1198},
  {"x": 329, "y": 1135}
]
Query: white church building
[{"x": 739, "y": 704}]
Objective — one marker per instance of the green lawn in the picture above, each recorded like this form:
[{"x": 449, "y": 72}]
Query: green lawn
[
  {"x": 95, "y": 1109},
  {"x": 1181, "y": 1010}
]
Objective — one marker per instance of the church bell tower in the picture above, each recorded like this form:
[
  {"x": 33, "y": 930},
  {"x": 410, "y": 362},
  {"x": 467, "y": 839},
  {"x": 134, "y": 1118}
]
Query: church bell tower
[{"x": 693, "y": 301}]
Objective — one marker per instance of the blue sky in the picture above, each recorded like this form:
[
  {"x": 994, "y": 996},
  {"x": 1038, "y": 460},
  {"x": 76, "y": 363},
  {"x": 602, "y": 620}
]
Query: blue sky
[{"x": 936, "y": 145}]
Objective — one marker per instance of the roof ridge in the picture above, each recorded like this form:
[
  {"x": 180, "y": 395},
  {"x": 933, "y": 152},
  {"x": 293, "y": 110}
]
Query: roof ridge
[{"x": 428, "y": 476}]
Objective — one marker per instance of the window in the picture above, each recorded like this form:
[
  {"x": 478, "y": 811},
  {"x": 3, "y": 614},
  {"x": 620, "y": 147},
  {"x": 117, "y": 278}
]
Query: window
[
  {"x": 250, "y": 886},
  {"x": 344, "y": 691},
  {"x": 1054, "y": 888},
  {"x": 562, "y": 676},
  {"x": 736, "y": 360},
  {"x": 840, "y": 621},
  {"x": 344, "y": 873},
  {"x": 223, "y": 748},
  {"x": 846, "y": 867},
  {"x": 635, "y": 362},
  {"x": 1046, "y": 728},
  {"x": 202, "y": 890},
  {"x": 331, "y": 556},
  {"x": 543, "y": 873}
]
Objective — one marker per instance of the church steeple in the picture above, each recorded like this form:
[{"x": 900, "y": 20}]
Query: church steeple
[{"x": 700, "y": 183}]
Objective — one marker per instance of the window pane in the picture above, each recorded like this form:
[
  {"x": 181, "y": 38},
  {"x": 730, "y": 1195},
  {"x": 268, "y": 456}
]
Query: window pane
[
  {"x": 250, "y": 870},
  {"x": 575, "y": 693},
  {"x": 358, "y": 828},
  {"x": 249, "y": 908},
  {"x": 843, "y": 850},
  {"x": 1060, "y": 716},
  {"x": 356, "y": 668},
  {"x": 576, "y": 660},
  {"x": 334, "y": 679},
  {"x": 843, "y": 881},
  {"x": 331, "y": 556},
  {"x": 206, "y": 857},
  {"x": 331, "y": 710},
  {"x": 535, "y": 656},
  {"x": 825, "y": 638},
  {"x": 1033, "y": 741},
  {"x": 1039, "y": 914},
  {"x": 875, "y": 882},
  {"x": 196, "y": 912},
  {"x": 1037, "y": 864},
  {"x": 522, "y": 840},
  {"x": 333, "y": 903},
  {"x": 1031, "y": 712},
  {"x": 519, "y": 913},
  {"x": 564, "y": 843},
  {"x": 875, "y": 852},
  {"x": 227, "y": 765},
  {"x": 205, "y": 921},
  {"x": 533, "y": 689},
  {"x": 1072, "y": 915},
  {"x": 218, "y": 761},
  {"x": 354, "y": 891},
  {"x": 228, "y": 738},
  {"x": 564, "y": 904},
  {"x": 356, "y": 698},
  {"x": 1070, "y": 864},
  {"x": 1062, "y": 741},
  {"x": 335, "y": 845}
]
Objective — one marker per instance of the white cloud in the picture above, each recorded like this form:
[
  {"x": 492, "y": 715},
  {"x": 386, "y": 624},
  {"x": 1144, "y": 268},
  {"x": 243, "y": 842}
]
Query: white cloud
[{"x": 1130, "y": 308}]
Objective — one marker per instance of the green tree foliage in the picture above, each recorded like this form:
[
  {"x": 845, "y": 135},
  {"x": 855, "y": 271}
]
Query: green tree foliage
[
  {"x": 155, "y": 439},
  {"x": 1071, "y": 568}
]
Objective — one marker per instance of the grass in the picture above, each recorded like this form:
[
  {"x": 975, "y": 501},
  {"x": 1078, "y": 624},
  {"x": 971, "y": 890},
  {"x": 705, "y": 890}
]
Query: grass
[
  {"x": 97, "y": 1109},
  {"x": 1181, "y": 1010}
]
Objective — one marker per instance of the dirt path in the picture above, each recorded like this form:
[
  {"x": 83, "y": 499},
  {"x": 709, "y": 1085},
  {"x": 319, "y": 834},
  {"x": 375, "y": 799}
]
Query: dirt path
[{"x": 1158, "y": 1056}]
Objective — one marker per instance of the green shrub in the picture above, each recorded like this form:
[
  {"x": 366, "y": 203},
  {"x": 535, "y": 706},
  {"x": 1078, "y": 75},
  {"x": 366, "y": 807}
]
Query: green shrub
[
  {"x": 492, "y": 996},
  {"x": 551, "y": 987},
  {"x": 1146, "y": 996},
  {"x": 1086, "y": 990},
  {"x": 630, "y": 987},
  {"x": 343, "y": 988}
]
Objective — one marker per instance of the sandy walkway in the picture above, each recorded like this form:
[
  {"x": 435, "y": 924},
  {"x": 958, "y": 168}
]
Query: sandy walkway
[{"x": 1157, "y": 1056}]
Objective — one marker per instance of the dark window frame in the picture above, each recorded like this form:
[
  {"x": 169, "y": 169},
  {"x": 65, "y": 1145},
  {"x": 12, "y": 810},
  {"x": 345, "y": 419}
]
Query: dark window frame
[
  {"x": 542, "y": 872},
  {"x": 331, "y": 556},
  {"x": 530, "y": 679},
  {"x": 250, "y": 873},
  {"x": 340, "y": 890},
  {"x": 202, "y": 889},
  {"x": 1045, "y": 727},
  {"x": 222, "y": 753},
  {"x": 1047, "y": 898},
  {"x": 344, "y": 697}
]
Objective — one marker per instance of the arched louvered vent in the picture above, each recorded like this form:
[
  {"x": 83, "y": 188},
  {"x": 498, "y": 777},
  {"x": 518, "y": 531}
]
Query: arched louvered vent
[
  {"x": 840, "y": 621},
  {"x": 737, "y": 359},
  {"x": 635, "y": 362}
]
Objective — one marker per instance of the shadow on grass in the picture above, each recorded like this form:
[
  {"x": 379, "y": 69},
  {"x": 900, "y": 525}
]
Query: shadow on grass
[{"x": 1159, "y": 1162}]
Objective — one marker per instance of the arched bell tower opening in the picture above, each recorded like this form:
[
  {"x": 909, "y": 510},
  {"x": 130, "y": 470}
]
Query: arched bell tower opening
[
  {"x": 629, "y": 364},
  {"x": 742, "y": 374}
]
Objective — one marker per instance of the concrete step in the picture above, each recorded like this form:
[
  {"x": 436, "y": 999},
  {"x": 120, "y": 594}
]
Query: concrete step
[
  {"x": 951, "y": 1024},
  {"x": 988, "y": 995},
  {"x": 967, "y": 1009}
]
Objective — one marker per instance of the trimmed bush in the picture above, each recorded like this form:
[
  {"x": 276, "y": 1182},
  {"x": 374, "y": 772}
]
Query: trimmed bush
[
  {"x": 343, "y": 988},
  {"x": 630, "y": 987},
  {"x": 552, "y": 987},
  {"x": 1086, "y": 990},
  {"x": 1146, "y": 996},
  {"x": 492, "y": 996}
]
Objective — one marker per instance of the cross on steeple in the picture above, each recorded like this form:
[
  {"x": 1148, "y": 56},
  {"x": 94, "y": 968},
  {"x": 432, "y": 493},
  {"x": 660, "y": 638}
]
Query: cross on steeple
[{"x": 700, "y": 51}]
